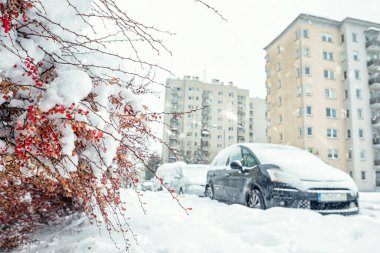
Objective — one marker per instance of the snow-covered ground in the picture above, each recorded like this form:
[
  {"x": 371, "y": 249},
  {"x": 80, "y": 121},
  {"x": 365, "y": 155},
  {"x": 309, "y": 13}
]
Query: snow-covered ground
[{"x": 213, "y": 227}]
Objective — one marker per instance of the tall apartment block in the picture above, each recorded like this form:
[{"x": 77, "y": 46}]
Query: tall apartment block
[
  {"x": 323, "y": 93},
  {"x": 219, "y": 115}
]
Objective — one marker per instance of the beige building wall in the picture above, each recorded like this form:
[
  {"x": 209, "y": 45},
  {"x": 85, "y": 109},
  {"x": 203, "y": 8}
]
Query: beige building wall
[
  {"x": 296, "y": 90},
  {"x": 317, "y": 67}
]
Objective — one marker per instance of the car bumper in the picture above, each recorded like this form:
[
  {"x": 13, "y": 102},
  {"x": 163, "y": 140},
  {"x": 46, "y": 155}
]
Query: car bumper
[{"x": 287, "y": 197}]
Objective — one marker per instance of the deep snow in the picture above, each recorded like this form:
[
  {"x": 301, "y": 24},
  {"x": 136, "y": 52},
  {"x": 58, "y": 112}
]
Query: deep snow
[{"x": 217, "y": 227}]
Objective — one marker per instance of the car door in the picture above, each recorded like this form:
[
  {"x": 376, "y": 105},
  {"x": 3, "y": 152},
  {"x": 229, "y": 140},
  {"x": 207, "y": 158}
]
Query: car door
[
  {"x": 218, "y": 179},
  {"x": 239, "y": 179},
  {"x": 233, "y": 176}
]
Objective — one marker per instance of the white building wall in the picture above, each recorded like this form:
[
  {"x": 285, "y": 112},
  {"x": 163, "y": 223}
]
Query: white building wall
[{"x": 358, "y": 164}]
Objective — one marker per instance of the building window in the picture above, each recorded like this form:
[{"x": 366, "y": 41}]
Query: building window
[
  {"x": 220, "y": 93},
  {"x": 357, "y": 74},
  {"x": 342, "y": 38},
  {"x": 328, "y": 56},
  {"x": 354, "y": 37},
  {"x": 279, "y": 84},
  {"x": 327, "y": 37},
  {"x": 305, "y": 33},
  {"x": 332, "y": 133},
  {"x": 332, "y": 154},
  {"x": 309, "y": 111},
  {"x": 310, "y": 150},
  {"x": 345, "y": 94},
  {"x": 349, "y": 155},
  {"x": 355, "y": 55},
  {"x": 298, "y": 72},
  {"x": 362, "y": 154},
  {"x": 309, "y": 131},
  {"x": 330, "y": 93},
  {"x": 278, "y": 66},
  {"x": 280, "y": 119},
  {"x": 280, "y": 136},
  {"x": 328, "y": 74},
  {"x": 363, "y": 174},
  {"x": 347, "y": 113},
  {"x": 220, "y": 119},
  {"x": 297, "y": 35},
  {"x": 306, "y": 52},
  {"x": 358, "y": 94},
  {"x": 298, "y": 53},
  {"x": 300, "y": 131},
  {"x": 278, "y": 50},
  {"x": 348, "y": 135},
  {"x": 279, "y": 101},
  {"x": 307, "y": 71},
  {"x": 361, "y": 133},
  {"x": 331, "y": 112},
  {"x": 360, "y": 113},
  {"x": 345, "y": 75}
]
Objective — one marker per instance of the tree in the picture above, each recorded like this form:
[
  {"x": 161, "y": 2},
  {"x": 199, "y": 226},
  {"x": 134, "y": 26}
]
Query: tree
[{"x": 71, "y": 125}]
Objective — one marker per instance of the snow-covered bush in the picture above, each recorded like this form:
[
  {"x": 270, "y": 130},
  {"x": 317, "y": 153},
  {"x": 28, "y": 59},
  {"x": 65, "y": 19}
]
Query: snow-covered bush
[{"x": 71, "y": 126}]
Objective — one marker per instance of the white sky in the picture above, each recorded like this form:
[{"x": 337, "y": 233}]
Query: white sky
[{"x": 204, "y": 45}]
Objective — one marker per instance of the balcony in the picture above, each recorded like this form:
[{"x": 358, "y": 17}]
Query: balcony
[
  {"x": 376, "y": 142},
  {"x": 173, "y": 137},
  {"x": 374, "y": 64},
  {"x": 373, "y": 45},
  {"x": 375, "y": 103},
  {"x": 374, "y": 83},
  {"x": 376, "y": 122}
]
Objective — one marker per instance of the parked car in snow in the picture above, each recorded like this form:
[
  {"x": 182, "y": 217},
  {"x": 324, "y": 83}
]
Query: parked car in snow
[
  {"x": 270, "y": 175},
  {"x": 147, "y": 185},
  {"x": 166, "y": 173},
  {"x": 191, "y": 179},
  {"x": 182, "y": 177}
]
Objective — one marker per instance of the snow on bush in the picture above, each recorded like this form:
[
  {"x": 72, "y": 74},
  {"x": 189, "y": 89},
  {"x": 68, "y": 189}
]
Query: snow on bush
[{"x": 71, "y": 125}]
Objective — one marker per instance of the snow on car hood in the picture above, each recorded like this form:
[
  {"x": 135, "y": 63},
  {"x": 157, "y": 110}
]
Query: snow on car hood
[{"x": 302, "y": 164}]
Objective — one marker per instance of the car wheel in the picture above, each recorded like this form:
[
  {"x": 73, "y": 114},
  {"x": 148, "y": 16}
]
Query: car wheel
[
  {"x": 255, "y": 199},
  {"x": 209, "y": 192}
]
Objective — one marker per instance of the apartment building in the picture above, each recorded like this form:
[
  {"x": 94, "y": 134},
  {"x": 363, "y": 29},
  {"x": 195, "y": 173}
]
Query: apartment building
[
  {"x": 216, "y": 115},
  {"x": 323, "y": 93}
]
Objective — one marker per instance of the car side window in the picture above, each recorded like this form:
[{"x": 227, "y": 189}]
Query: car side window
[
  {"x": 235, "y": 154},
  {"x": 248, "y": 159},
  {"x": 222, "y": 158}
]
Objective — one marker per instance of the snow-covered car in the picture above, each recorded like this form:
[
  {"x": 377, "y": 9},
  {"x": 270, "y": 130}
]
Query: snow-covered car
[
  {"x": 147, "y": 185},
  {"x": 191, "y": 179},
  {"x": 271, "y": 175},
  {"x": 182, "y": 177},
  {"x": 166, "y": 173}
]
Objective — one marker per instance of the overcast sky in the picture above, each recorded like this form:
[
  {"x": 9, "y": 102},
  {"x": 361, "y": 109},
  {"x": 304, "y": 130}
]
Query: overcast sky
[{"x": 206, "y": 46}]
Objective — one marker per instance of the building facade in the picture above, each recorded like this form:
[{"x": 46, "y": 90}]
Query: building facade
[
  {"x": 323, "y": 93},
  {"x": 206, "y": 117}
]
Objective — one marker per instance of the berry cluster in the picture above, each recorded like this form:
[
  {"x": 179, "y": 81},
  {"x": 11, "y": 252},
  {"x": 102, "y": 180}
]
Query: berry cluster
[
  {"x": 33, "y": 71},
  {"x": 12, "y": 11}
]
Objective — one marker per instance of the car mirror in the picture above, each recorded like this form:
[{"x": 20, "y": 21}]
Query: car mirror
[{"x": 236, "y": 165}]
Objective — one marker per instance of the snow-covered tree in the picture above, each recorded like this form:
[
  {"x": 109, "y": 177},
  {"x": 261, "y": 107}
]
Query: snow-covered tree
[{"x": 71, "y": 126}]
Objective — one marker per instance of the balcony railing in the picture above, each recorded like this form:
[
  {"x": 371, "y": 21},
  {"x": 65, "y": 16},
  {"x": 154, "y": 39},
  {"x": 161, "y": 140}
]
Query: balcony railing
[
  {"x": 373, "y": 101},
  {"x": 374, "y": 63},
  {"x": 376, "y": 121},
  {"x": 373, "y": 43},
  {"x": 373, "y": 80}
]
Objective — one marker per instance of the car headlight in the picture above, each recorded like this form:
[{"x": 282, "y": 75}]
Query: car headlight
[{"x": 282, "y": 177}]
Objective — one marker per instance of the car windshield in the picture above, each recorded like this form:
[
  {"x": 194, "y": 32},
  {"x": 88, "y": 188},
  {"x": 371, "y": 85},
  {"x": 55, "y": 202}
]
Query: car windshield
[{"x": 289, "y": 158}]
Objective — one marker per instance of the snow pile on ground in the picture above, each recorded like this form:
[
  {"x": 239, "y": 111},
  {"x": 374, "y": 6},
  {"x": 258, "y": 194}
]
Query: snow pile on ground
[{"x": 216, "y": 227}]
